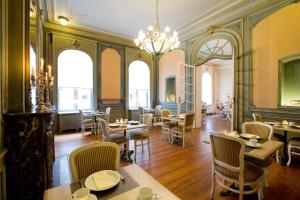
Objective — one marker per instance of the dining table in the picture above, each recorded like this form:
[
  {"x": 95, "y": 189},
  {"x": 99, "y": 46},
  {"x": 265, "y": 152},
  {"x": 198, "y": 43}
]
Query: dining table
[
  {"x": 175, "y": 118},
  {"x": 133, "y": 178},
  {"x": 286, "y": 129},
  {"x": 119, "y": 127},
  {"x": 265, "y": 149}
]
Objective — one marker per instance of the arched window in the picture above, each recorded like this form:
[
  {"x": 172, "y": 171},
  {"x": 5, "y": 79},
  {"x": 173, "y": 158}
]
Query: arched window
[
  {"x": 207, "y": 88},
  {"x": 139, "y": 85},
  {"x": 75, "y": 81}
]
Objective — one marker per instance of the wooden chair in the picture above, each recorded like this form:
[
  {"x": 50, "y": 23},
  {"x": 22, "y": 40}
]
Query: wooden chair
[
  {"x": 107, "y": 114},
  {"x": 256, "y": 117},
  {"x": 94, "y": 157},
  {"x": 265, "y": 131},
  {"x": 117, "y": 138},
  {"x": 141, "y": 114},
  {"x": 229, "y": 165},
  {"x": 166, "y": 124},
  {"x": 293, "y": 148},
  {"x": 141, "y": 136},
  {"x": 86, "y": 122},
  {"x": 181, "y": 131}
]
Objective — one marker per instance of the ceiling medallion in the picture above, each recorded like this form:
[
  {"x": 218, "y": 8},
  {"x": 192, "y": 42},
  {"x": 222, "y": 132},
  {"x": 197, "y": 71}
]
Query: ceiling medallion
[{"x": 155, "y": 42}]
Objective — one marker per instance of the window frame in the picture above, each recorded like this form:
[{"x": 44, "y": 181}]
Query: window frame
[
  {"x": 77, "y": 90},
  {"x": 147, "y": 90}
]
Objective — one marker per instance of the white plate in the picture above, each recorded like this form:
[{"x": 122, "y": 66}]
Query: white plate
[
  {"x": 257, "y": 145},
  {"x": 249, "y": 136},
  {"x": 134, "y": 122},
  {"x": 91, "y": 197},
  {"x": 296, "y": 126},
  {"x": 110, "y": 179},
  {"x": 113, "y": 125}
]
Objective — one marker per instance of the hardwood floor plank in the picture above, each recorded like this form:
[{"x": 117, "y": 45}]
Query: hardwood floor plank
[{"x": 187, "y": 171}]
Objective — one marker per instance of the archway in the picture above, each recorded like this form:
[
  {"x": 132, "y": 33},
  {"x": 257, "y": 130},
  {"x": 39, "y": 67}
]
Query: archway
[{"x": 235, "y": 41}]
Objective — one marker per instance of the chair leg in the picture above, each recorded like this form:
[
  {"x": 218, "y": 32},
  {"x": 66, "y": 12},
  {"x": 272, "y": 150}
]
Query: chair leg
[
  {"x": 289, "y": 155},
  {"x": 213, "y": 185},
  {"x": 172, "y": 138},
  {"x": 241, "y": 195},
  {"x": 127, "y": 151},
  {"x": 135, "y": 152},
  {"x": 277, "y": 157},
  {"x": 148, "y": 144},
  {"x": 260, "y": 193},
  {"x": 183, "y": 139},
  {"x": 266, "y": 177},
  {"x": 142, "y": 143}
]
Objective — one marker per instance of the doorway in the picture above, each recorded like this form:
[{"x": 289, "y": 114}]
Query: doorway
[{"x": 215, "y": 91}]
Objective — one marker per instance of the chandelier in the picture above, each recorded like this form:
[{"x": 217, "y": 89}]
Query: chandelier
[{"x": 155, "y": 42}]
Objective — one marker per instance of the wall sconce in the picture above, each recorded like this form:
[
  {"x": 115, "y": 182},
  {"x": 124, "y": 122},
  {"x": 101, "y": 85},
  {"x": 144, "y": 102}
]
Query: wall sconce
[{"x": 63, "y": 20}]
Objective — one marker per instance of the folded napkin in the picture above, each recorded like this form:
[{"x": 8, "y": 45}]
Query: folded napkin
[{"x": 103, "y": 180}]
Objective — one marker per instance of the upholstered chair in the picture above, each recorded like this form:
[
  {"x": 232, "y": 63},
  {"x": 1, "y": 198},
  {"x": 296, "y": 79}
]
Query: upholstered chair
[
  {"x": 256, "y": 117},
  {"x": 181, "y": 131},
  {"x": 94, "y": 157},
  {"x": 117, "y": 138},
  {"x": 265, "y": 131},
  {"x": 86, "y": 122},
  {"x": 167, "y": 125},
  {"x": 228, "y": 165},
  {"x": 293, "y": 148},
  {"x": 141, "y": 136},
  {"x": 107, "y": 114}
]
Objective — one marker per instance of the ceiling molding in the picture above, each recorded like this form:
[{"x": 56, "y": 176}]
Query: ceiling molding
[
  {"x": 235, "y": 11},
  {"x": 95, "y": 35}
]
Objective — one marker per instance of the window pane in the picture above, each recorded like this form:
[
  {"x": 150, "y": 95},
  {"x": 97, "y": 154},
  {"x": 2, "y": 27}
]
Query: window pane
[
  {"x": 75, "y": 81},
  {"x": 139, "y": 85}
]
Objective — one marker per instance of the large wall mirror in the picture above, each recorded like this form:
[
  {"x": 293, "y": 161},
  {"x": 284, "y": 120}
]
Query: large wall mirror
[{"x": 289, "y": 81}]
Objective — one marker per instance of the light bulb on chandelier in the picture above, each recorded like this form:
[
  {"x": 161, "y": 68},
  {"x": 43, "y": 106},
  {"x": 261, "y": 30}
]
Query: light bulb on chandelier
[{"x": 155, "y": 42}]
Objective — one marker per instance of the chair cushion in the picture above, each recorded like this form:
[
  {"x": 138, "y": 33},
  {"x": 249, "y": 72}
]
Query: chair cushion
[
  {"x": 179, "y": 128},
  {"x": 88, "y": 121},
  {"x": 138, "y": 134},
  {"x": 251, "y": 172},
  {"x": 169, "y": 124},
  {"x": 260, "y": 163},
  {"x": 295, "y": 142},
  {"x": 117, "y": 138}
]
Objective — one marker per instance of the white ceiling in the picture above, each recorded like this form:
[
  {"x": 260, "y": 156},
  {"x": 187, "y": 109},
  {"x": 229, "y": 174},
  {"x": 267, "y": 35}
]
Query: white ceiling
[
  {"x": 127, "y": 17},
  {"x": 220, "y": 63}
]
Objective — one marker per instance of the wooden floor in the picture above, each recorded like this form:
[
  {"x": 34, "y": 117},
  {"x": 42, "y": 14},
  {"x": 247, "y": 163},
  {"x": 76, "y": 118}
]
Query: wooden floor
[{"x": 187, "y": 171}]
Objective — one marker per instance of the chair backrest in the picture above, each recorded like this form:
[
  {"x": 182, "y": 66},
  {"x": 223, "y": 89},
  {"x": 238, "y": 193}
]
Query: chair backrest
[
  {"x": 92, "y": 158},
  {"x": 256, "y": 117},
  {"x": 228, "y": 155},
  {"x": 158, "y": 107},
  {"x": 107, "y": 110},
  {"x": 165, "y": 112},
  {"x": 141, "y": 110},
  {"x": 188, "y": 121},
  {"x": 148, "y": 119},
  {"x": 107, "y": 113},
  {"x": 261, "y": 129},
  {"x": 103, "y": 127}
]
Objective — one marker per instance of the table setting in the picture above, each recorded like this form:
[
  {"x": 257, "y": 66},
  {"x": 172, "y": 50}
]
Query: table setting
[{"x": 103, "y": 185}]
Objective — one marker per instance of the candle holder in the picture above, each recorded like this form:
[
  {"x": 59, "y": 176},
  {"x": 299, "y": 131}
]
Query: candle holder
[
  {"x": 44, "y": 82},
  {"x": 40, "y": 90}
]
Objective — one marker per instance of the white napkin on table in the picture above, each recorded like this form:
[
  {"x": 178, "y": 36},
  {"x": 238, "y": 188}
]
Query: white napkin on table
[{"x": 103, "y": 180}]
